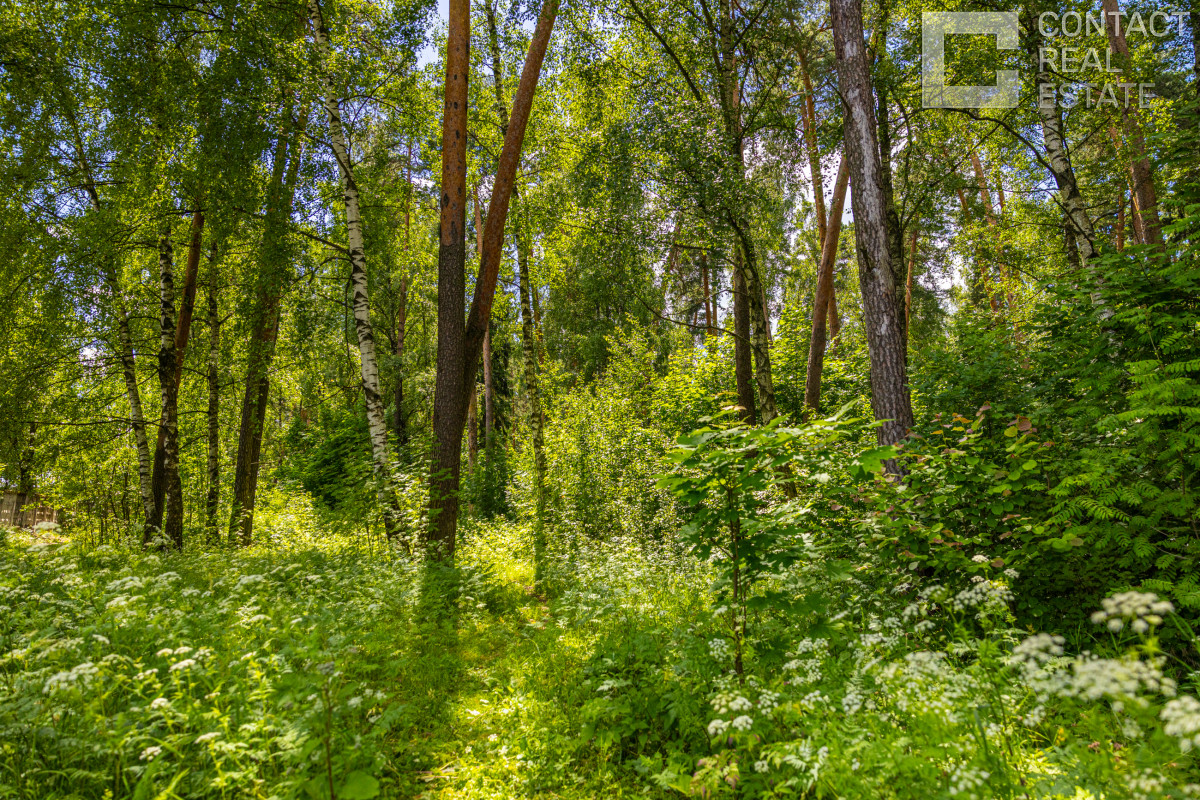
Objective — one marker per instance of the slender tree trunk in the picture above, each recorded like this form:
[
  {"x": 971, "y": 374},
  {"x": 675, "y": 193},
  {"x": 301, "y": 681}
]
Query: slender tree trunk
[
  {"x": 989, "y": 214},
  {"x": 882, "y": 311},
  {"x": 912, "y": 267},
  {"x": 489, "y": 393},
  {"x": 895, "y": 234},
  {"x": 1069, "y": 197},
  {"x": 212, "y": 500},
  {"x": 376, "y": 419},
  {"x": 401, "y": 333},
  {"x": 743, "y": 368},
  {"x": 164, "y": 480},
  {"x": 270, "y": 283},
  {"x": 459, "y": 349},
  {"x": 708, "y": 312},
  {"x": 1143, "y": 181},
  {"x": 814, "y": 153},
  {"x": 824, "y": 293},
  {"x": 472, "y": 432},
  {"x": 170, "y": 396},
  {"x": 532, "y": 389},
  {"x": 136, "y": 416},
  {"x": 1120, "y": 232}
]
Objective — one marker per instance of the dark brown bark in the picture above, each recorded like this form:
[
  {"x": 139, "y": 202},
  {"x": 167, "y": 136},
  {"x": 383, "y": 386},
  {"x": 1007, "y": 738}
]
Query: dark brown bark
[
  {"x": 877, "y": 274},
  {"x": 743, "y": 368},
  {"x": 459, "y": 349},
  {"x": 824, "y": 292},
  {"x": 163, "y": 480},
  {"x": 450, "y": 390},
  {"x": 213, "y": 497}
]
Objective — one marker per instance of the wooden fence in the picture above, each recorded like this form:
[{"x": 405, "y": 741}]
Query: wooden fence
[{"x": 23, "y": 510}]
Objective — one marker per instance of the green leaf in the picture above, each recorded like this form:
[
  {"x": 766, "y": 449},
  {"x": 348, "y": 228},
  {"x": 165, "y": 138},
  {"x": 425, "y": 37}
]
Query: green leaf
[{"x": 359, "y": 786}]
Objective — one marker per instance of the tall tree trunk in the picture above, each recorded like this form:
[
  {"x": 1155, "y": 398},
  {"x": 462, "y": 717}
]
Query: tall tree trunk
[
  {"x": 1120, "y": 231},
  {"x": 912, "y": 267},
  {"x": 164, "y": 480},
  {"x": 745, "y": 261},
  {"x": 459, "y": 348},
  {"x": 890, "y": 399},
  {"x": 213, "y": 498},
  {"x": 814, "y": 153},
  {"x": 709, "y": 320},
  {"x": 401, "y": 333},
  {"x": 1143, "y": 181},
  {"x": 743, "y": 367},
  {"x": 376, "y": 420},
  {"x": 989, "y": 214},
  {"x": 489, "y": 392},
  {"x": 895, "y": 234},
  {"x": 530, "y": 345},
  {"x": 824, "y": 293},
  {"x": 136, "y": 416},
  {"x": 167, "y": 357},
  {"x": 270, "y": 283},
  {"x": 1069, "y": 198}
]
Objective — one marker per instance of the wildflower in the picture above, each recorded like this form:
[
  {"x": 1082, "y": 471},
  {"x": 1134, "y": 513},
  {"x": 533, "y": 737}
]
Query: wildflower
[
  {"x": 150, "y": 753},
  {"x": 207, "y": 737},
  {"x": 184, "y": 665},
  {"x": 762, "y": 766},
  {"x": 160, "y": 704},
  {"x": 1182, "y": 720},
  {"x": 717, "y": 727},
  {"x": 980, "y": 558},
  {"x": 742, "y": 723},
  {"x": 1143, "y": 609}
]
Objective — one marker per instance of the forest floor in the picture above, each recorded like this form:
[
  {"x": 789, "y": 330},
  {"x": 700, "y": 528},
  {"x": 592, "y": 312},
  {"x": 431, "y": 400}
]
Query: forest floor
[{"x": 316, "y": 669}]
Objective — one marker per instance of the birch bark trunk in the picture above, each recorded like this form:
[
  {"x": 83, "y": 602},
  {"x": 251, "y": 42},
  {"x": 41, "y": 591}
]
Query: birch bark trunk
[
  {"x": 890, "y": 399},
  {"x": 376, "y": 420},
  {"x": 164, "y": 480},
  {"x": 173, "y": 531}
]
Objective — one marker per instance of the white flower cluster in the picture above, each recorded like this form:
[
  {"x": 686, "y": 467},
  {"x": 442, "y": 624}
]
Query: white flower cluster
[
  {"x": 811, "y": 653},
  {"x": 1181, "y": 718},
  {"x": 1142, "y": 610},
  {"x": 1034, "y": 653},
  {"x": 988, "y": 596},
  {"x": 965, "y": 782},
  {"x": 80, "y": 677},
  {"x": 719, "y": 649}
]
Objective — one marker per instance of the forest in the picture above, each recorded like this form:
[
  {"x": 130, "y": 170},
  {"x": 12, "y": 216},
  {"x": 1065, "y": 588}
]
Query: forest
[{"x": 599, "y": 399}]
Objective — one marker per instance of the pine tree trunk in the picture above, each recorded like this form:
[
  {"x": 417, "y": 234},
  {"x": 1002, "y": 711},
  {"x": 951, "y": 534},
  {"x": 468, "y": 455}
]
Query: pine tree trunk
[
  {"x": 824, "y": 293},
  {"x": 376, "y": 419},
  {"x": 890, "y": 399},
  {"x": 450, "y": 389},
  {"x": 459, "y": 348},
  {"x": 212, "y": 500}
]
